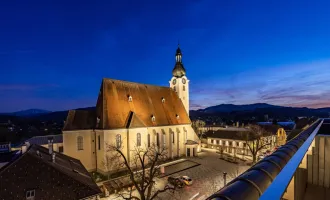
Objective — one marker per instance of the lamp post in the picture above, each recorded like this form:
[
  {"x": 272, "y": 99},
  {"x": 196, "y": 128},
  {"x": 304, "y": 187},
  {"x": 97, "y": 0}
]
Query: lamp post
[{"x": 224, "y": 178}]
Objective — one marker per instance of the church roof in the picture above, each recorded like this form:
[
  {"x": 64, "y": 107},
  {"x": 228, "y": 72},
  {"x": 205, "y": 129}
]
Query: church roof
[{"x": 123, "y": 104}]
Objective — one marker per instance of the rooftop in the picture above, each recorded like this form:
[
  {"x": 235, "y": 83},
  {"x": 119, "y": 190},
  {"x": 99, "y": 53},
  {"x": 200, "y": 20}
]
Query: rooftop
[
  {"x": 61, "y": 178},
  {"x": 42, "y": 140}
]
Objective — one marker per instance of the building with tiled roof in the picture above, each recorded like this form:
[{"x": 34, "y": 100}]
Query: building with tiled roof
[
  {"x": 233, "y": 140},
  {"x": 40, "y": 173},
  {"x": 133, "y": 114},
  {"x": 278, "y": 131},
  {"x": 57, "y": 141}
]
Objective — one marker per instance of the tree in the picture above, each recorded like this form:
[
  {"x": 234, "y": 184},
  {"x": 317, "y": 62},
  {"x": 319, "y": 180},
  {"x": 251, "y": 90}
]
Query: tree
[
  {"x": 142, "y": 168},
  {"x": 256, "y": 139},
  {"x": 196, "y": 125}
]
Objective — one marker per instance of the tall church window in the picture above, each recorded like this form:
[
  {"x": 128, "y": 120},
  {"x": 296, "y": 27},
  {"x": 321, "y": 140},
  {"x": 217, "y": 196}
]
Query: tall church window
[
  {"x": 173, "y": 138},
  {"x": 184, "y": 88},
  {"x": 118, "y": 141},
  {"x": 148, "y": 140},
  {"x": 138, "y": 139},
  {"x": 99, "y": 141},
  {"x": 157, "y": 138},
  {"x": 80, "y": 143},
  {"x": 164, "y": 140}
]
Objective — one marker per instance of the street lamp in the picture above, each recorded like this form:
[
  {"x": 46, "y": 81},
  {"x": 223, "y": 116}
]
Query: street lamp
[{"x": 224, "y": 178}]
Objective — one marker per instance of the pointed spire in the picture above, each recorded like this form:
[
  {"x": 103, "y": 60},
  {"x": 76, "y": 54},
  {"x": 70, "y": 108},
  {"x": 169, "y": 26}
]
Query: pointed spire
[{"x": 178, "y": 70}]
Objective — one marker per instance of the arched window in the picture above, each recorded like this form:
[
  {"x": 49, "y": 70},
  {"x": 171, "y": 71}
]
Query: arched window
[
  {"x": 80, "y": 143},
  {"x": 138, "y": 139},
  {"x": 118, "y": 141},
  {"x": 148, "y": 140}
]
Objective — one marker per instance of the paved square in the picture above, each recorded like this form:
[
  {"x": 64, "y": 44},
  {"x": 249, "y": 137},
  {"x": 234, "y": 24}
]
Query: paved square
[{"x": 207, "y": 177}]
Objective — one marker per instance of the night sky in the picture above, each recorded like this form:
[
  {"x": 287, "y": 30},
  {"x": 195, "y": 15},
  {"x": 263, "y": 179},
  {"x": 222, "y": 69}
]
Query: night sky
[{"x": 54, "y": 54}]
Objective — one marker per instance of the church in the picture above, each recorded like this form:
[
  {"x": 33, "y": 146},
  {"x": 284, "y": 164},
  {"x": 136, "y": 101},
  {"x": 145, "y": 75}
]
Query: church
[{"x": 133, "y": 114}]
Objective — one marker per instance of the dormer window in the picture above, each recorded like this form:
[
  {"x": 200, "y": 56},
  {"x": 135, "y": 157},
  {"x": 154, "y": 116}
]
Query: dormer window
[
  {"x": 177, "y": 116},
  {"x": 163, "y": 100},
  {"x": 153, "y": 118},
  {"x": 130, "y": 98}
]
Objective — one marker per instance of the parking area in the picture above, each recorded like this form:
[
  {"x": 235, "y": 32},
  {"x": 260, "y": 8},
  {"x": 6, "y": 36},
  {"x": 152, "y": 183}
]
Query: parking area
[{"x": 207, "y": 177}]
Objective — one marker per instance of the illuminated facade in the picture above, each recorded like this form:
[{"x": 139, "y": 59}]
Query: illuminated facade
[{"x": 132, "y": 114}]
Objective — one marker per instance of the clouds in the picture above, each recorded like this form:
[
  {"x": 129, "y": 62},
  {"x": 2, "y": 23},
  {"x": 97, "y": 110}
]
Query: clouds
[{"x": 302, "y": 84}]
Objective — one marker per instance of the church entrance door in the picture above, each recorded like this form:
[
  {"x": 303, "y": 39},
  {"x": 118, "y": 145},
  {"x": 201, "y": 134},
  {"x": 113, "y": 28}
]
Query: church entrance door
[{"x": 188, "y": 152}]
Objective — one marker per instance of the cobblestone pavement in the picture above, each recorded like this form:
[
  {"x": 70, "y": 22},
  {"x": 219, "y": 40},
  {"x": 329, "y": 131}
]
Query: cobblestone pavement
[{"x": 207, "y": 177}]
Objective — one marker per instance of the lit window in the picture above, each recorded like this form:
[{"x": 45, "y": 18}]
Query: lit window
[
  {"x": 80, "y": 143},
  {"x": 173, "y": 138},
  {"x": 153, "y": 118},
  {"x": 118, "y": 141},
  {"x": 138, "y": 139},
  {"x": 30, "y": 194}
]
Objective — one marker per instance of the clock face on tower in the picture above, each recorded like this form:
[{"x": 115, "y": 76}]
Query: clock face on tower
[
  {"x": 184, "y": 81},
  {"x": 174, "y": 81}
]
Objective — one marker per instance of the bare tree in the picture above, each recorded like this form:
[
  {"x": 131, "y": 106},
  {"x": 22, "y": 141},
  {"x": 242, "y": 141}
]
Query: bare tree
[
  {"x": 256, "y": 139},
  {"x": 142, "y": 167},
  {"x": 197, "y": 125}
]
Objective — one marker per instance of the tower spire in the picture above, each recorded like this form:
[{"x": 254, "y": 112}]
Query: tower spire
[{"x": 178, "y": 70}]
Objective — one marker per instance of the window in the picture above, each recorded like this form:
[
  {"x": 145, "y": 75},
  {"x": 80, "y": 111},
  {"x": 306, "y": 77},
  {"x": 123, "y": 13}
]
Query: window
[
  {"x": 212, "y": 141},
  {"x": 30, "y": 194},
  {"x": 244, "y": 145},
  {"x": 163, "y": 100},
  {"x": 184, "y": 88},
  {"x": 173, "y": 138},
  {"x": 138, "y": 139},
  {"x": 80, "y": 143},
  {"x": 118, "y": 141},
  {"x": 60, "y": 149},
  {"x": 99, "y": 141},
  {"x": 237, "y": 144},
  {"x": 148, "y": 140},
  {"x": 164, "y": 140},
  {"x": 217, "y": 142},
  {"x": 157, "y": 138}
]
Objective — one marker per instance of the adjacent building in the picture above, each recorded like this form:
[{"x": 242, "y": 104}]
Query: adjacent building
[
  {"x": 133, "y": 115},
  {"x": 41, "y": 173},
  {"x": 55, "y": 140},
  {"x": 233, "y": 140}
]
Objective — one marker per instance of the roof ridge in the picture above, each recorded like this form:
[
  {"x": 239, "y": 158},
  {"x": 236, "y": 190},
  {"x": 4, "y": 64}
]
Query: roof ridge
[
  {"x": 111, "y": 79},
  {"x": 66, "y": 157}
]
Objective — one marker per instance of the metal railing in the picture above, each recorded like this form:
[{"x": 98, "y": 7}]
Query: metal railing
[{"x": 278, "y": 187}]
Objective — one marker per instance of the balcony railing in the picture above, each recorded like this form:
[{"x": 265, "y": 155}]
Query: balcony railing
[{"x": 269, "y": 178}]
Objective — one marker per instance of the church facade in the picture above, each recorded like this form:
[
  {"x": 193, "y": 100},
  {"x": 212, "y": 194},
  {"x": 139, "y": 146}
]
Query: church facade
[{"x": 133, "y": 115}]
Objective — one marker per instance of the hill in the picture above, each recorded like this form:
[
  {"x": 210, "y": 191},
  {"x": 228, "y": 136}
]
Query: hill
[{"x": 27, "y": 113}]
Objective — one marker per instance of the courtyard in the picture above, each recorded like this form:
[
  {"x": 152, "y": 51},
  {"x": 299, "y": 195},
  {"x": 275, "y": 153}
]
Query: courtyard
[{"x": 207, "y": 176}]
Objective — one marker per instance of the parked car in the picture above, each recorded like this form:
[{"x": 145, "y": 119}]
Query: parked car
[
  {"x": 175, "y": 181},
  {"x": 186, "y": 180}
]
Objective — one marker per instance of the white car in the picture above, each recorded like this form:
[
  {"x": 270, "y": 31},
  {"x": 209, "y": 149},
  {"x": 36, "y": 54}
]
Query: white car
[{"x": 186, "y": 180}]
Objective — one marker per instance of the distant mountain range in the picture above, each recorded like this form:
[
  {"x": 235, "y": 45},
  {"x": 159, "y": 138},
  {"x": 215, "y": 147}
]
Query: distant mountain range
[
  {"x": 27, "y": 113},
  {"x": 260, "y": 109},
  {"x": 257, "y": 109}
]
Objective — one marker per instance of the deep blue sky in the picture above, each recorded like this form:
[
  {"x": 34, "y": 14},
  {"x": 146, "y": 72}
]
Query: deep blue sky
[{"x": 54, "y": 54}]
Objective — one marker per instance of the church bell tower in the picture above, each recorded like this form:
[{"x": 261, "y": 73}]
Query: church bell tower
[{"x": 179, "y": 82}]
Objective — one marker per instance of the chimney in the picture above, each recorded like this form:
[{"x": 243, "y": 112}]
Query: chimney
[
  {"x": 23, "y": 148},
  {"x": 50, "y": 145},
  {"x": 53, "y": 157}
]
